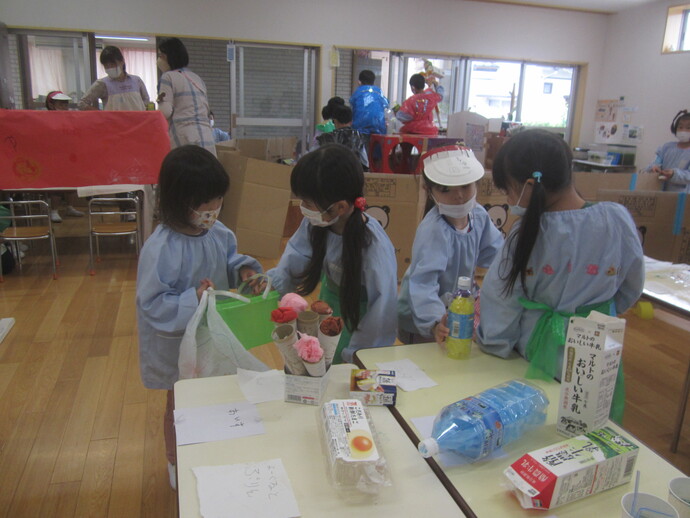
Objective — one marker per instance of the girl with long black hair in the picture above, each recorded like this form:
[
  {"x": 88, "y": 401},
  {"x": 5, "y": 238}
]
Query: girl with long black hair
[{"x": 341, "y": 247}]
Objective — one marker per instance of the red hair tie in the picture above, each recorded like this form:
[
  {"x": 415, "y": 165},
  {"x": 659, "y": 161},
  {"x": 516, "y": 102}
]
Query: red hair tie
[{"x": 361, "y": 203}]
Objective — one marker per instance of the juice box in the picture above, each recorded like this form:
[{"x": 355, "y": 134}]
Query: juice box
[
  {"x": 572, "y": 469},
  {"x": 373, "y": 387}
]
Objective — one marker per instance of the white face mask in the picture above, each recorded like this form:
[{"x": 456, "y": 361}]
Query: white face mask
[
  {"x": 162, "y": 65},
  {"x": 516, "y": 209},
  {"x": 683, "y": 136},
  {"x": 315, "y": 217},
  {"x": 456, "y": 211},
  {"x": 204, "y": 220},
  {"x": 211, "y": 121},
  {"x": 114, "y": 73}
]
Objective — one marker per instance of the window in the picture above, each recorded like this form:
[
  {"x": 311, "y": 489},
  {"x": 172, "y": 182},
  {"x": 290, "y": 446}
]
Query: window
[
  {"x": 548, "y": 88},
  {"x": 542, "y": 106},
  {"x": 494, "y": 88},
  {"x": 677, "y": 35}
]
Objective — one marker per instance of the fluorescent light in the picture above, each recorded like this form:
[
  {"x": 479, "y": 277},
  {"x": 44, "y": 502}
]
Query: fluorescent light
[{"x": 126, "y": 38}]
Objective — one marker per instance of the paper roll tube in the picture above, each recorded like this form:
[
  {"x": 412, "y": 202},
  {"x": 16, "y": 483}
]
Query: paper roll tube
[
  {"x": 318, "y": 369},
  {"x": 329, "y": 344},
  {"x": 308, "y": 322},
  {"x": 284, "y": 336}
]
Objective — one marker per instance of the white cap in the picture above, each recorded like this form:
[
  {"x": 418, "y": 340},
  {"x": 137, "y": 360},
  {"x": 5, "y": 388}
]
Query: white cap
[
  {"x": 58, "y": 96},
  {"x": 452, "y": 166},
  {"x": 464, "y": 283},
  {"x": 428, "y": 447}
]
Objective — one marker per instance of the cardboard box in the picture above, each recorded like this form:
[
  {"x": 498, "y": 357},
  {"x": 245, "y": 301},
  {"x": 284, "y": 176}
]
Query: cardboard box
[
  {"x": 397, "y": 202},
  {"x": 591, "y": 357},
  {"x": 662, "y": 220},
  {"x": 269, "y": 149},
  {"x": 373, "y": 387},
  {"x": 305, "y": 389},
  {"x": 572, "y": 469},
  {"x": 257, "y": 202}
]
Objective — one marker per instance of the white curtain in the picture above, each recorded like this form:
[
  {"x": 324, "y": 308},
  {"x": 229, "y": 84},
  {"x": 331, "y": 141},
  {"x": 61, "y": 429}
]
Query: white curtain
[
  {"x": 140, "y": 62},
  {"x": 47, "y": 71}
]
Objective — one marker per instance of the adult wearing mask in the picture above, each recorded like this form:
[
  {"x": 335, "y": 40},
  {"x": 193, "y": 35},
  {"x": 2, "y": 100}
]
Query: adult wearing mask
[
  {"x": 182, "y": 98},
  {"x": 119, "y": 90}
]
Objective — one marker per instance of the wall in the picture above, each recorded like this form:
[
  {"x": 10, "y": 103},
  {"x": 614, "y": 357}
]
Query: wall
[
  {"x": 655, "y": 83},
  {"x": 442, "y": 26}
]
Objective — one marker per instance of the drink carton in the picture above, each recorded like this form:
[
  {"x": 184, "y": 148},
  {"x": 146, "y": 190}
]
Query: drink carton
[
  {"x": 373, "y": 387},
  {"x": 591, "y": 357},
  {"x": 573, "y": 469}
]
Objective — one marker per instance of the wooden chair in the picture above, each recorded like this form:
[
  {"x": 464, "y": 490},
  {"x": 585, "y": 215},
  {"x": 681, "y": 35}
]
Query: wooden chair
[
  {"x": 29, "y": 220},
  {"x": 113, "y": 217}
]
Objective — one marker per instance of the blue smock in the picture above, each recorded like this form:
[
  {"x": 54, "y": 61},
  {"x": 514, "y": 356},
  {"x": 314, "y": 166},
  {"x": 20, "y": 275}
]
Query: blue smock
[
  {"x": 171, "y": 266},
  {"x": 440, "y": 254},
  {"x": 377, "y": 325},
  {"x": 368, "y": 110},
  {"x": 581, "y": 257},
  {"x": 670, "y": 156}
]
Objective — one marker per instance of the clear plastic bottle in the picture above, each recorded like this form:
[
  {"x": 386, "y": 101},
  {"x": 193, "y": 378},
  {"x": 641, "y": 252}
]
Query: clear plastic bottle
[
  {"x": 461, "y": 321},
  {"x": 476, "y": 426}
]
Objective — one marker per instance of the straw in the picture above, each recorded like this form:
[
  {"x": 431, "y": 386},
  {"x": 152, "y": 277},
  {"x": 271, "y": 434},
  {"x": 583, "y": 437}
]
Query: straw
[
  {"x": 648, "y": 511},
  {"x": 637, "y": 488}
]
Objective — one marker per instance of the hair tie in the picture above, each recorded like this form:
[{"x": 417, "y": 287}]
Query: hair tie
[
  {"x": 361, "y": 203},
  {"x": 537, "y": 176}
]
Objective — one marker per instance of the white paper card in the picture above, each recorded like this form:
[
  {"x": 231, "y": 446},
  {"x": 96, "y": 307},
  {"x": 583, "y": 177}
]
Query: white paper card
[
  {"x": 259, "y": 387},
  {"x": 408, "y": 375},
  {"x": 257, "y": 489},
  {"x": 217, "y": 422}
]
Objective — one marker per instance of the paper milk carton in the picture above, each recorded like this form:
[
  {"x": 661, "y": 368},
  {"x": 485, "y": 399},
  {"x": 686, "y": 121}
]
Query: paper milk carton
[
  {"x": 373, "y": 387},
  {"x": 573, "y": 469},
  {"x": 591, "y": 357}
]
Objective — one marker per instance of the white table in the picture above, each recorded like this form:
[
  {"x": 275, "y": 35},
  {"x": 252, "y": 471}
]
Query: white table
[
  {"x": 481, "y": 484},
  {"x": 291, "y": 434}
]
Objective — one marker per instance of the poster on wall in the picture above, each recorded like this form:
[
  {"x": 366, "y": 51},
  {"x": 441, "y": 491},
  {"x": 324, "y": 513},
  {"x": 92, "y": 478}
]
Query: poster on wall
[{"x": 607, "y": 110}]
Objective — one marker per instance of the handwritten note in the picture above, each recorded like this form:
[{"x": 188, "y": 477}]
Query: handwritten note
[
  {"x": 408, "y": 375},
  {"x": 217, "y": 422},
  {"x": 257, "y": 489}
]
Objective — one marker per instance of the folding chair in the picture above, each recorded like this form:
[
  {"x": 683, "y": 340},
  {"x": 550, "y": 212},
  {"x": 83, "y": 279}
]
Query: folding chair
[
  {"x": 29, "y": 220},
  {"x": 113, "y": 217}
]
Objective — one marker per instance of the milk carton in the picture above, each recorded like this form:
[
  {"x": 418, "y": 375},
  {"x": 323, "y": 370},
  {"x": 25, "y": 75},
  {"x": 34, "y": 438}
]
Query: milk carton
[
  {"x": 591, "y": 357},
  {"x": 573, "y": 469},
  {"x": 373, "y": 387}
]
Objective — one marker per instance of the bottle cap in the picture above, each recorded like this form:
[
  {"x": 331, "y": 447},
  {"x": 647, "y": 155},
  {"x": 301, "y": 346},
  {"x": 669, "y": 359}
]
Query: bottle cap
[
  {"x": 464, "y": 283},
  {"x": 428, "y": 447}
]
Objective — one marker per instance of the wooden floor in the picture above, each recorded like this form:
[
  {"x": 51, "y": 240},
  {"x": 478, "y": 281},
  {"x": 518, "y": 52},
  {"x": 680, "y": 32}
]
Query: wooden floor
[{"x": 80, "y": 436}]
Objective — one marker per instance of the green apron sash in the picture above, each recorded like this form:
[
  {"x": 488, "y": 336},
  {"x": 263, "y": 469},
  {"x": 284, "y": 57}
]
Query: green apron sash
[
  {"x": 548, "y": 339},
  {"x": 330, "y": 294}
]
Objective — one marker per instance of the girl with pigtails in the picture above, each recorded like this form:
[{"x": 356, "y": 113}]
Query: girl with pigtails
[
  {"x": 563, "y": 257},
  {"x": 338, "y": 245}
]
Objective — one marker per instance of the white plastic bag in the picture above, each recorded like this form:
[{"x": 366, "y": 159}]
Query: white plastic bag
[{"x": 209, "y": 347}]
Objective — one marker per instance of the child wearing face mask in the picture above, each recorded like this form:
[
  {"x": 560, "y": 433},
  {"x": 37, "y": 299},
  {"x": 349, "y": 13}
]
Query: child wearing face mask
[
  {"x": 187, "y": 253},
  {"x": 338, "y": 245},
  {"x": 119, "y": 90},
  {"x": 563, "y": 257},
  {"x": 672, "y": 162},
  {"x": 455, "y": 237}
]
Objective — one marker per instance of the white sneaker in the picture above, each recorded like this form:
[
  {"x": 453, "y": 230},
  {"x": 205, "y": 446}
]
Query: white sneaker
[
  {"x": 71, "y": 211},
  {"x": 55, "y": 217},
  {"x": 172, "y": 475}
]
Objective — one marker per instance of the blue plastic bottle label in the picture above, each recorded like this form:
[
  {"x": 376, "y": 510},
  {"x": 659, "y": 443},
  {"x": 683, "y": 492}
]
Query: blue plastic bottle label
[
  {"x": 460, "y": 326},
  {"x": 493, "y": 426}
]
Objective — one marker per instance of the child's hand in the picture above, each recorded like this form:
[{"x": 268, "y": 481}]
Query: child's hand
[
  {"x": 257, "y": 285},
  {"x": 666, "y": 173},
  {"x": 203, "y": 286},
  {"x": 441, "y": 331}
]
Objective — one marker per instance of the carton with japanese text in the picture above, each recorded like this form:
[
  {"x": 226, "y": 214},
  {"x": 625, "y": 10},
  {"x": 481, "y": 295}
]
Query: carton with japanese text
[
  {"x": 373, "y": 387},
  {"x": 591, "y": 357},
  {"x": 572, "y": 469}
]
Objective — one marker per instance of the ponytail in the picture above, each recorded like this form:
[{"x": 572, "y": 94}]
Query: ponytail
[{"x": 356, "y": 237}]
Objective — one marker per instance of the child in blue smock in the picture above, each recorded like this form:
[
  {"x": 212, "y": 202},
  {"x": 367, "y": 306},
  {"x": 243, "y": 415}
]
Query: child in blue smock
[
  {"x": 563, "y": 257},
  {"x": 672, "y": 162},
  {"x": 455, "y": 237},
  {"x": 341, "y": 247},
  {"x": 187, "y": 253}
]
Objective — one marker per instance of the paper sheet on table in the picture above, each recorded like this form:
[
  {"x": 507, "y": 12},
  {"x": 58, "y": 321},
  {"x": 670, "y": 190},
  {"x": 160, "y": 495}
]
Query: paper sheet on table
[
  {"x": 448, "y": 459},
  {"x": 217, "y": 422},
  {"x": 257, "y": 489},
  {"x": 259, "y": 387},
  {"x": 408, "y": 375}
]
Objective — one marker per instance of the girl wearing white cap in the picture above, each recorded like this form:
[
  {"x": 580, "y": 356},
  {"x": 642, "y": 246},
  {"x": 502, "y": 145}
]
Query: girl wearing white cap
[{"x": 455, "y": 237}]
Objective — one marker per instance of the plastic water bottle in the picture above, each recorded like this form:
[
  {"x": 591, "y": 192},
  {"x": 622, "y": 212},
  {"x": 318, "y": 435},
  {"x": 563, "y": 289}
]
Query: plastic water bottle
[
  {"x": 461, "y": 321},
  {"x": 476, "y": 426}
]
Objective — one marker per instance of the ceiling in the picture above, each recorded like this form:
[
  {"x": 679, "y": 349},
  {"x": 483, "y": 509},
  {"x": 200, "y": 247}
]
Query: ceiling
[{"x": 598, "y": 6}]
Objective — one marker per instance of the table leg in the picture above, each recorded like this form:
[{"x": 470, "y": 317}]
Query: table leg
[{"x": 681, "y": 411}]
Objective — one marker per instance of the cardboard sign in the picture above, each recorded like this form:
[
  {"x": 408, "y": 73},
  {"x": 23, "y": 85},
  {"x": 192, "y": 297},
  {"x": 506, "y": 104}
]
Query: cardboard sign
[
  {"x": 40, "y": 149},
  {"x": 397, "y": 202},
  {"x": 591, "y": 357},
  {"x": 256, "y": 203}
]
